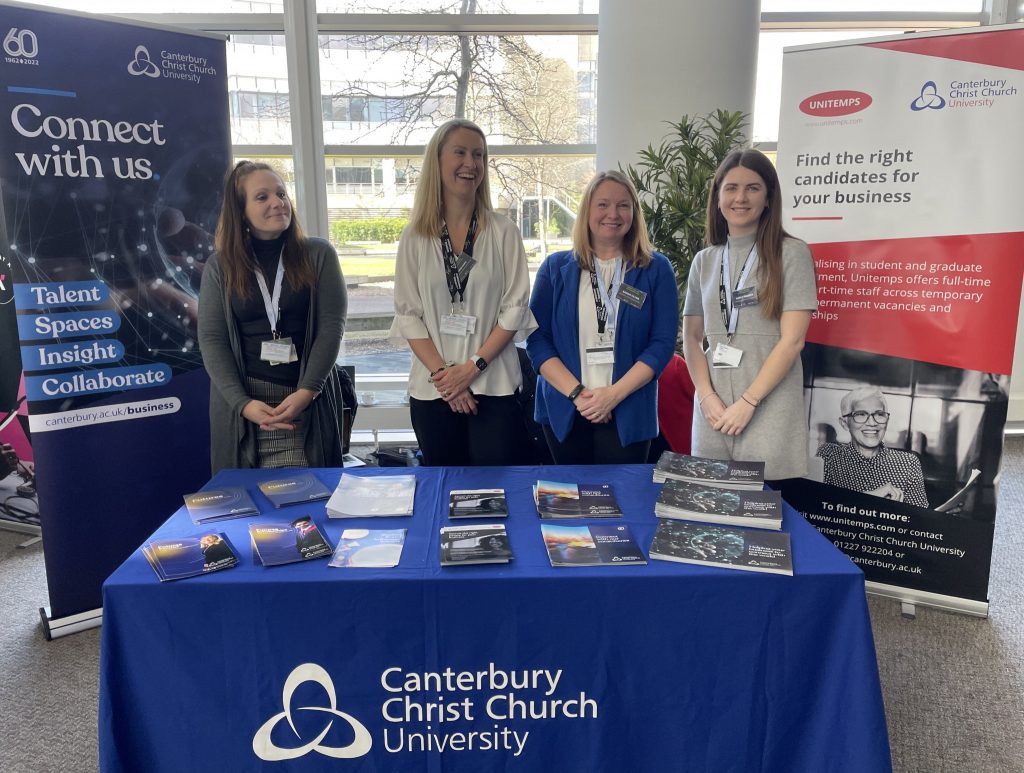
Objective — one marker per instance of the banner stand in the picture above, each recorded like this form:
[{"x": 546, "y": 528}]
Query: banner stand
[
  {"x": 55, "y": 628},
  {"x": 911, "y": 598}
]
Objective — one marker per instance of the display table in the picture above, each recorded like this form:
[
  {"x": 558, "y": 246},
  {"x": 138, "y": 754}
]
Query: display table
[{"x": 663, "y": 667}]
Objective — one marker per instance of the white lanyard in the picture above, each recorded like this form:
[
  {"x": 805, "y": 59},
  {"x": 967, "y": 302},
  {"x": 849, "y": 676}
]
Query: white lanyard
[
  {"x": 730, "y": 308},
  {"x": 272, "y": 303}
]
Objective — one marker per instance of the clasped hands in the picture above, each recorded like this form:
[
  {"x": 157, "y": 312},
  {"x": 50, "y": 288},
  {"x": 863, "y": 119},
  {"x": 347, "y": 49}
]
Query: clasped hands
[
  {"x": 596, "y": 405},
  {"x": 282, "y": 416},
  {"x": 727, "y": 419},
  {"x": 452, "y": 384}
]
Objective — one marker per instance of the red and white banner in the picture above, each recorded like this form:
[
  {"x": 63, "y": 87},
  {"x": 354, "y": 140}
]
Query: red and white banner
[{"x": 897, "y": 159}]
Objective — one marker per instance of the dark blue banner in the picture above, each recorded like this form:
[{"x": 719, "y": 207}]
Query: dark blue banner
[{"x": 113, "y": 148}]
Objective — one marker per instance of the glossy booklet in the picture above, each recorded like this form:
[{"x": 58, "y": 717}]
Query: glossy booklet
[
  {"x": 711, "y": 472},
  {"x": 714, "y": 504},
  {"x": 482, "y": 543},
  {"x": 575, "y": 500},
  {"x": 277, "y": 542},
  {"x": 591, "y": 545},
  {"x": 295, "y": 489},
  {"x": 372, "y": 495},
  {"x": 477, "y": 503},
  {"x": 176, "y": 559},
  {"x": 752, "y": 550},
  {"x": 381, "y": 548},
  {"x": 219, "y": 504}
]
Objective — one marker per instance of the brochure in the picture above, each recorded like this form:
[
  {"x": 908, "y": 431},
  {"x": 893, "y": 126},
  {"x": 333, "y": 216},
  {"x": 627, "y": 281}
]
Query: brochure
[
  {"x": 285, "y": 542},
  {"x": 483, "y": 543},
  {"x": 752, "y": 550},
  {"x": 591, "y": 545},
  {"x": 477, "y": 503},
  {"x": 381, "y": 548},
  {"x": 711, "y": 504},
  {"x": 176, "y": 559},
  {"x": 219, "y": 504},
  {"x": 710, "y": 472},
  {"x": 377, "y": 495},
  {"x": 294, "y": 489},
  {"x": 571, "y": 500}
]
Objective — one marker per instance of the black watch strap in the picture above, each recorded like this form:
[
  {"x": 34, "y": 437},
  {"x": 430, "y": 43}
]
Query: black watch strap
[{"x": 575, "y": 392}]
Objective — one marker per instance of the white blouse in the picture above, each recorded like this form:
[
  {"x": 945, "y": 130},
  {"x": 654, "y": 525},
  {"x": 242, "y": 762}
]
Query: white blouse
[
  {"x": 497, "y": 293},
  {"x": 595, "y": 375}
]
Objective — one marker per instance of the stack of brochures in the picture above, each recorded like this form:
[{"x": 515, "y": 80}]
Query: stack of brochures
[
  {"x": 713, "y": 504},
  {"x": 373, "y": 495},
  {"x": 219, "y": 504},
  {"x": 482, "y": 543},
  {"x": 752, "y": 550},
  {"x": 176, "y": 559},
  {"x": 286, "y": 542},
  {"x": 709, "y": 472},
  {"x": 376, "y": 548},
  {"x": 295, "y": 489},
  {"x": 477, "y": 503},
  {"x": 590, "y": 545},
  {"x": 571, "y": 500}
]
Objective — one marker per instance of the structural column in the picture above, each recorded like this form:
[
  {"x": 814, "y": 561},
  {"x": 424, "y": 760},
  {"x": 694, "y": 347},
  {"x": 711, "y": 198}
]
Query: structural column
[{"x": 661, "y": 59}]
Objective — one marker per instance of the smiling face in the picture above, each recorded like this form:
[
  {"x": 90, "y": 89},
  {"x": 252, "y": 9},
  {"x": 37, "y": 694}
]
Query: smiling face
[
  {"x": 611, "y": 214},
  {"x": 867, "y": 437},
  {"x": 742, "y": 198},
  {"x": 267, "y": 208},
  {"x": 462, "y": 159}
]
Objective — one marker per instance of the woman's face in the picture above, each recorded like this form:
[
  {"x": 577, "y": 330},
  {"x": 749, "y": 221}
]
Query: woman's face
[
  {"x": 742, "y": 197},
  {"x": 462, "y": 163},
  {"x": 267, "y": 208},
  {"x": 611, "y": 213}
]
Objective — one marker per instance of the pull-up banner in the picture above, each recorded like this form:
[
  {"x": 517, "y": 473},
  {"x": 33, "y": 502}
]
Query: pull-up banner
[
  {"x": 894, "y": 159},
  {"x": 114, "y": 141}
]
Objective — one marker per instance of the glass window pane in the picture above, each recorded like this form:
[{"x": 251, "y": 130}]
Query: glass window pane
[
  {"x": 258, "y": 90},
  {"x": 861, "y": 6},
  {"x": 167, "y": 6},
  {"x": 455, "y": 6},
  {"x": 396, "y": 89}
]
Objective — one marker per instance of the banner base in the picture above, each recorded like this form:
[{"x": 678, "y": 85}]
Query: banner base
[
  {"x": 908, "y": 596},
  {"x": 20, "y": 528},
  {"x": 55, "y": 628}
]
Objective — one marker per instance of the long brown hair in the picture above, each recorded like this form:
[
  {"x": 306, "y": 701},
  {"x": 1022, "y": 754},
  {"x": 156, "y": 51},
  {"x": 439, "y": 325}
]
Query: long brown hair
[
  {"x": 428, "y": 204},
  {"x": 770, "y": 233},
  {"x": 233, "y": 239},
  {"x": 636, "y": 245}
]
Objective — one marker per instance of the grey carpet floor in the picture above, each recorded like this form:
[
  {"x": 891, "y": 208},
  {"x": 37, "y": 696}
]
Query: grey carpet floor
[{"x": 953, "y": 685}]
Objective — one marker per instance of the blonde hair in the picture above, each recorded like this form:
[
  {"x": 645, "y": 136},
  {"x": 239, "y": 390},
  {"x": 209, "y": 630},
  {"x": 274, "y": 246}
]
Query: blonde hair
[
  {"x": 428, "y": 204},
  {"x": 636, "y": 245}
]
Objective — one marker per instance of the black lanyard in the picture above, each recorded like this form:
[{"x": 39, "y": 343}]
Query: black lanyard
[
  {"x": 725, "y": 298},
  {"x": 456, "y": 272},
  {"x": 602, "y": 310}
]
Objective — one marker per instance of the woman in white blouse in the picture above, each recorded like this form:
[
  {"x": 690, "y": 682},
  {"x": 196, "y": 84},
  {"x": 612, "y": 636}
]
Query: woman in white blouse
[{"x": 462, "y": 296}]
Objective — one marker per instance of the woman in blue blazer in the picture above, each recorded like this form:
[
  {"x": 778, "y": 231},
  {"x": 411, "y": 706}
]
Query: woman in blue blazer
[{"x": 608, "y": 319}]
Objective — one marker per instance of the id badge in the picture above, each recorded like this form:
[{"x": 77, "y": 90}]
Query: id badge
[
  {"x": 745, "y": 297},
  {"x": 631, "y": 295},
  {"x": 725, "y": 356},
  {"x": 456, "y": 324},
  {"x": 600, "y": 355},
  {"x": 278, "y": 351}
]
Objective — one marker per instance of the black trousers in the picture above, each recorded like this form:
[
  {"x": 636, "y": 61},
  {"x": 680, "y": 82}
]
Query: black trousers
[
  {"x": 589, "y": 443},
  {"x": 496, "y": 436}
]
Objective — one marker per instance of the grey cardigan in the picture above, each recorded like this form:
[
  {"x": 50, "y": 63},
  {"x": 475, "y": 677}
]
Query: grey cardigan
[{"x": 233, "y": 438}]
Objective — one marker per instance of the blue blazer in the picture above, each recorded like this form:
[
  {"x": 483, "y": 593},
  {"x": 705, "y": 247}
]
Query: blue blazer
[{"x": 646, "y": 335}]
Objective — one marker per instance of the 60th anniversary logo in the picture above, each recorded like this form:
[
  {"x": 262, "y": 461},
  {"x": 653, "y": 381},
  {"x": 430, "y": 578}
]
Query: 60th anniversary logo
[{"x": 491, "y": 695}]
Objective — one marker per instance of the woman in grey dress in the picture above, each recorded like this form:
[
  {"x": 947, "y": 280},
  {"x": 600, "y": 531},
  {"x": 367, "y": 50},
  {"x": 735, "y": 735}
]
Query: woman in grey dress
[{"x": 751, "y": 293}]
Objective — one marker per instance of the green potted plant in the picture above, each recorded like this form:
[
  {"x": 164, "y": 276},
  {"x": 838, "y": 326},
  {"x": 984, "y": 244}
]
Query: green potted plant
[{"x": 673, "y": 182}]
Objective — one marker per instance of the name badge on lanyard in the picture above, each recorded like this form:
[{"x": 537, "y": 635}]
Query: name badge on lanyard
[
  {"x": 278, "y": 350},
  {"x": 731, "y": 299},
  {"x": 456, "y": 274}
]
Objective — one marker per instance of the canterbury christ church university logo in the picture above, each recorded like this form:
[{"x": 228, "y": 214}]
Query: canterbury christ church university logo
[
  {"x": 442, "y": 712},
  {"x": 178, "y": 65}
]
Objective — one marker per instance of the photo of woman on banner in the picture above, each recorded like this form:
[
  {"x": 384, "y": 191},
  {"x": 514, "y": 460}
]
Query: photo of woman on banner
[
  {"x": 751, "y": 294},
  {"x": 272, "y": 309},
  {"x": 866, "y": 463}
]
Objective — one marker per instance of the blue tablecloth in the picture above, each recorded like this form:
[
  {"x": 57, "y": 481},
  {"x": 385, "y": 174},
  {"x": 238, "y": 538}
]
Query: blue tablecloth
[{"x": 663, "y": 667}]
